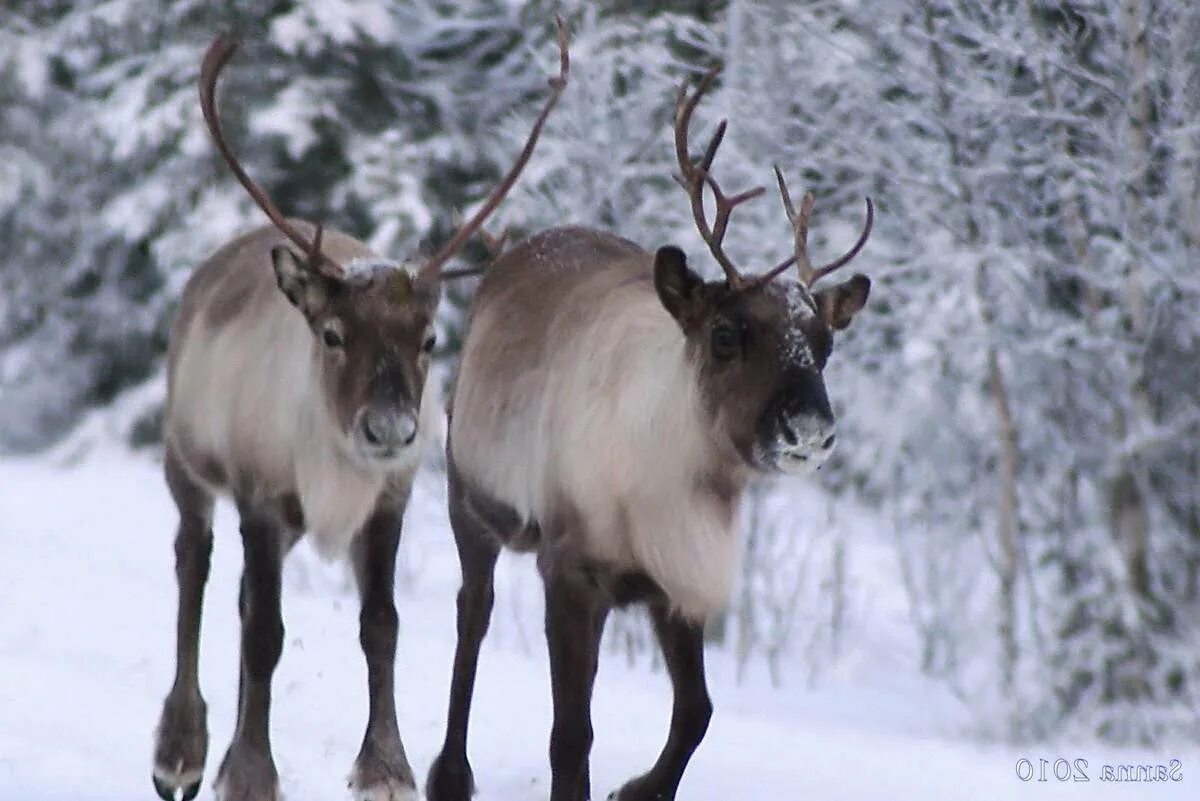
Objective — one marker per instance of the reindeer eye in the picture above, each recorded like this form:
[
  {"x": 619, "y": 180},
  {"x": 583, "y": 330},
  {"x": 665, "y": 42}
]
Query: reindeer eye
[
  {"x": 427, "y": 345},
  {"x": 331, "y": 338},
  {"x": 725, "y": 341}
]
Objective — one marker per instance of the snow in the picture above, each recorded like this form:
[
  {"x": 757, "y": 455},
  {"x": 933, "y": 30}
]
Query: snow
[
  {"x": 366, "y": 270},
  {"x": 341, "y": 21},
  {"x": 86, "y": 650},
  {"x": 292, "y": 117},
  {"x": 800, "y": 306}
]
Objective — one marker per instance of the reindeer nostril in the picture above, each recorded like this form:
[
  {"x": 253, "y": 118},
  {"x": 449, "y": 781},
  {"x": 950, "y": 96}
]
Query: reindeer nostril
[
  {"x": 406, "y": 428},
  {"x": 369, "y": 433},
  {"x": 828, "y": 443},
  {"x": 788, "y": 432}
]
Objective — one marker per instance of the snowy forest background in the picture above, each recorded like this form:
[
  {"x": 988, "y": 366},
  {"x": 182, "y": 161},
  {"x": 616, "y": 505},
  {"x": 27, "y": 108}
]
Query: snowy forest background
[{"x": 1019, "y": 407}]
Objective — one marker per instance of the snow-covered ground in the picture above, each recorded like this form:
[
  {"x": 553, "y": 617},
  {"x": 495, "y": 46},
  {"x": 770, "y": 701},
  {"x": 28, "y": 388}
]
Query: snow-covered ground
[{"x": 87, "y": 603}]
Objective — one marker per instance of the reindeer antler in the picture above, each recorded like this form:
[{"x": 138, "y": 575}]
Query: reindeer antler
[
  {"x": 694, "y": 177},
  {"x": 809, "y": 275},
  {"x": 495, "y": 249},
  {"x": 215, "y": 58},
  {"x": 557, "y": 84}
]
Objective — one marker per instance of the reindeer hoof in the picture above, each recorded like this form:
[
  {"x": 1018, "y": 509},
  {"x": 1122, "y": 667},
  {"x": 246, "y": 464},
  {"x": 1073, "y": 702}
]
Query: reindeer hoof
[
  {"x": 642, "y": 789},
  {"x": 167, "y": 791},
  {"x": 389, "y": 791},
  {"x": 180, "y": 747},
  {"x": 382, "y": 772},
  {"x": 450, "y": 780},
  {"x": 167, "y": 783},
  {"x": 247, "y": 774}
]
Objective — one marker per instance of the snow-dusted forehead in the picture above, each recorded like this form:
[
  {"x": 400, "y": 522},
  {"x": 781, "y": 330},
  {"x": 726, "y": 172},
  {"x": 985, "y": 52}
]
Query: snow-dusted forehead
[
  {"x": 800, "y": 307},
  {"x": 365, "y": 271},
  {"x": 800, "y": 303}
]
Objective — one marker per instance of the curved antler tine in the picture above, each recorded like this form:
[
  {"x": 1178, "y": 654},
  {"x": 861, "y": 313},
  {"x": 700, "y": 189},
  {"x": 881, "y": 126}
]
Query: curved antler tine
[
  {"x": 327, "y": 266},
  {"x": 853, "y": 251},
  {"x": 710, "y": 152},
  {"x": 219, "y": 53},
  {"x": 454, "y": 273},
  {"x": 770, "y": 275},
  {"x": 220, "y": 50},
  {"x": 694, "y": 176},
  {"x": 749, "y": 194},
  {"x": 564, "y": 55},
  {"x": 783, "y": 193},
  {"x": 685, "y": 106},
  {"x": 799, "y": 222},
  {"x": 800, "y": 238},
  {"x": 315, "y": 249},
  {"x": 726, "y": 205},
  {"x": 433, "y": 268}
]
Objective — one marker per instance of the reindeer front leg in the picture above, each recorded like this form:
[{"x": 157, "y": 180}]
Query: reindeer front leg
[
  {"x": 181, "y": 741},
  {"x": 381, "y": 772},
  {"x": 248, "y": 771}
]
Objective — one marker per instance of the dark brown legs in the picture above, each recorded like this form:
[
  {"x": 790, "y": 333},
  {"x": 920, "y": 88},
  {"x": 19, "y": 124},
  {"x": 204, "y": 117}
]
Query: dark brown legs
[
  {"x": 248, "y": 771},
  {"x": 381, "y": 771},
  {"x": 181, "y": 742},
  {"x": 575, "y": 615},
  {"x": 576, "y": 610},
  {"x": 450, "y": 777},
  {"x": 683, "y": 651}
]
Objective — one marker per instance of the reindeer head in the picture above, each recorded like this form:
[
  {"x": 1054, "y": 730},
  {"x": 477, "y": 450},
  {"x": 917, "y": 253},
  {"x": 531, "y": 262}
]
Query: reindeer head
[
  {"x": 760, "y": 345},
  {"x": 373, "y": 337},
  {"x": 372, "y": 323}
]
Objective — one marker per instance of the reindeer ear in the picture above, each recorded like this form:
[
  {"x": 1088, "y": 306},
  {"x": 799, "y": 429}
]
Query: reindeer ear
[
  {"x": 306, "y": 288},
  {"x": 837, "y": 305},
  {"x": 679, "y": 289}
]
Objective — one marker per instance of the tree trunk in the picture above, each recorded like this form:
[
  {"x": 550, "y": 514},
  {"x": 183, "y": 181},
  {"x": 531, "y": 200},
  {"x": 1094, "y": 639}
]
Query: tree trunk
[
  {"x": 1185, "y": 92},
  {"x": 1006, "y": 519},
  {"x": 1129, "y": 485},
  {"x": 1006, "y": 433},
  {"x": 1130, "y": 522}
]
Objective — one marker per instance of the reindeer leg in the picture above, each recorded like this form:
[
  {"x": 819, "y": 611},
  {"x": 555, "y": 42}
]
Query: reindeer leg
[
  {"x": 450, "y": 777},
  {"x": 181, "y": 741},
  {"x": 575, "y": 616},
  {"x": 248, "y": 771},
  {"x": 381, "y": 772},
  {"x": 683, "y": 651}
]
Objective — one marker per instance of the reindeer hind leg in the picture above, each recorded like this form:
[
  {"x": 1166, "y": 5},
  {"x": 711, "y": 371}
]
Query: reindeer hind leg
[
  {"x": 477, "y": 539},
  {"x": 682, "y": 645}
]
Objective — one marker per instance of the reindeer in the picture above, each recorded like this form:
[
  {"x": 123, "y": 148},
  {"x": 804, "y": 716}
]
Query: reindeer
[
  {"x": 296, "y": 384},
  {"x": 609, "y": 410}
]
